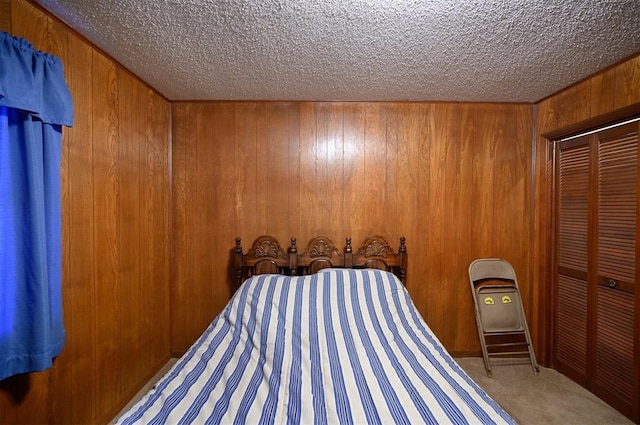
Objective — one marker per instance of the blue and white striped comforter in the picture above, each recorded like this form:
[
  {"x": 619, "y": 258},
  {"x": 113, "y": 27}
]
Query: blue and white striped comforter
[{"x": 340, "y": 346}]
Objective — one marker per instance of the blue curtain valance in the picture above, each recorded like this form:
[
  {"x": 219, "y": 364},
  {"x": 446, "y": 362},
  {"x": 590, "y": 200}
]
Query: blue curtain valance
[{"x": 33, "y": 81}]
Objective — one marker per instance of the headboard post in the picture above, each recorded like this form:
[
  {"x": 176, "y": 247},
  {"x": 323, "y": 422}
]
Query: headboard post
[
  {"x": 402, "y": 259},
  {"x": 348, "y": 254},
  {"x": 293, "y": 257},
  {"x": 237, "y": 253}
]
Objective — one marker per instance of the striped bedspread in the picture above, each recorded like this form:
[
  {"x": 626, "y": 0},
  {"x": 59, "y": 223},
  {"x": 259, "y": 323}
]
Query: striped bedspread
[{"x": 340, "y": 346}]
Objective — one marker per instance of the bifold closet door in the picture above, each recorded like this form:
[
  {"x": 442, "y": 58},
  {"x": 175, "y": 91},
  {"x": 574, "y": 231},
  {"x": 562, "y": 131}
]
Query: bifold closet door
[
  {"x": 617, "y": 262},
  {"x": 597, "y": 256},
  {"x": 572, "y": 247}
]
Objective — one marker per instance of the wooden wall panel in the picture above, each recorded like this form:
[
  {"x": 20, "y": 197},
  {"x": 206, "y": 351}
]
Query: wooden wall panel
[
  {"x": 60, "y": 377},
  {"x": 183, "y": 207},
  {"x": 433, "y": 218},
  {"x": 525, "y": 207},
  {"x": 276, "y": 140},
  {"x": 602, "y": 93},
  {"x": 245, "y": 176},
  {"x": 353, "y": 171},
  {"x": 295, "y": 220},
  {"x": 156, "y": 200},
  {"x": 206, "y": 208},
  {"x": 375, "y": 170},
  {"x": 129, "y": 260},
  {"x": 627, "y": 83},
  {"x": 78, "y": 267},
  {"x": 109, "y": 370},
  {"x": 223, "y": 165},
  {"x": 311, "y": 173},
  {"x": 5, "y": 16},
  {"x": 457, "y": 191},
  {"x": 422, "y": 226},
  {"x": 453, "y": 178},
  {"x": 261, "y": 148},
  {"x": 331, "y": 131},
  {"x": 115, "y": 214}
]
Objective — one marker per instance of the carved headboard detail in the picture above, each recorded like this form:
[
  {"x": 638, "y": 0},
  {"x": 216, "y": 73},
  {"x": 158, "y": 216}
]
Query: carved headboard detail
[{"x": 267, "y": 256}]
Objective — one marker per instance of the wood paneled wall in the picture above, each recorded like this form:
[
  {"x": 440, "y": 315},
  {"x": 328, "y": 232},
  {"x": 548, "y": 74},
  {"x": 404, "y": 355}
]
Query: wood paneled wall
[
  {"x": 115, "y": 179},
  {"x": 453, "y": 178},
  {"x": 605, "y": 92}
]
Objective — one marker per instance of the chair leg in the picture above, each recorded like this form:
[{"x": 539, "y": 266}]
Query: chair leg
[{"x": 485, "y": 357}]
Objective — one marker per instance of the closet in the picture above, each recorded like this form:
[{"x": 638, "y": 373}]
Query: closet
[{"x": 596, "y": 264}]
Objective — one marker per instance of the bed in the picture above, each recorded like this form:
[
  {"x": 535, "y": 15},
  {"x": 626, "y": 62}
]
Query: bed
[{"x": 320, "y": 336}]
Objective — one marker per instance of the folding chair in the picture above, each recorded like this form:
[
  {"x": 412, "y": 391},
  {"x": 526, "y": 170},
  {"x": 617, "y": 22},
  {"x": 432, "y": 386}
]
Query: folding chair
[{"x": 499, "y": 312}]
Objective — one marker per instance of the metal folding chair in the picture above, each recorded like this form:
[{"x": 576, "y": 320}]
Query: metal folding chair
[{"x": 502, "y": 325}]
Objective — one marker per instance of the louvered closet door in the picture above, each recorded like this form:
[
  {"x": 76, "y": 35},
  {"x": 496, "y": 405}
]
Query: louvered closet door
[
  {"x": 597, "y": 265},
  {"x": 616, "y": 265},
  {"x": 572, "y": 260}
]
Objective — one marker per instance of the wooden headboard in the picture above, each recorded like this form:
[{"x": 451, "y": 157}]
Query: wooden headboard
[{"x": 267, "y": 256}]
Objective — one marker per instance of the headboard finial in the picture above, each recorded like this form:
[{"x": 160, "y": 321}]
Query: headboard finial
[
  {"x": 238, "y": 248},
  {"x": 403, "y": 247},
  {"x": 293, "y": 257},
  {"x": 348, "y": 248},
  {"x": 293, "y": 248}
]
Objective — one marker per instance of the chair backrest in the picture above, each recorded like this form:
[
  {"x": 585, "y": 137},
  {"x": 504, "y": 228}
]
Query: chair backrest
[
  {"x": 491, "y": 268},
  {"x": 496, "y": 295}
]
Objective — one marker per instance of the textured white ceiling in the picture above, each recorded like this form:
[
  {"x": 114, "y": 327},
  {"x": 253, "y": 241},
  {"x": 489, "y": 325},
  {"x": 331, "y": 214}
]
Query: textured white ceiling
[{"x": 367, "y": 50}]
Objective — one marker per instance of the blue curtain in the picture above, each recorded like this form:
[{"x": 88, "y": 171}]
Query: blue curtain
[{"x": 34, "y": 105}]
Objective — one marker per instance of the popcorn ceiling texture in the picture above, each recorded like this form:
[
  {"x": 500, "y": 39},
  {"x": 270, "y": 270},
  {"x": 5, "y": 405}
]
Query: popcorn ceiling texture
[{"x": 359, "y": 50}]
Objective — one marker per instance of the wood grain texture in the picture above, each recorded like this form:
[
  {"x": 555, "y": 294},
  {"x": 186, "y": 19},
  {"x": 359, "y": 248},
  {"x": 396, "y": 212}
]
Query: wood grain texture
[
  {"x": 5, "y": 16},
  {"x": 30, "y": 23},
  {"x": 600, "y": 94},
  {"x": 115, "y": 215},
  {"x": 223, "y": 161},
  {"x": 612, "y": 90},
  {"x": 453, "y": 178},
  {"x": 206, "y": 207},
  {"x": 63, "y": 376},
  {"x": 156, "y": 333},
  {"x": 184, "y": 196},
  {"x": 110, "y": 363},
  {"x": 627, "y": 83},
  {"x": 244, "y": 175}
]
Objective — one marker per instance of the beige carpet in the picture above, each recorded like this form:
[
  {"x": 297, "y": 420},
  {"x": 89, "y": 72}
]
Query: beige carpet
[{"x": 546, "y": 398}]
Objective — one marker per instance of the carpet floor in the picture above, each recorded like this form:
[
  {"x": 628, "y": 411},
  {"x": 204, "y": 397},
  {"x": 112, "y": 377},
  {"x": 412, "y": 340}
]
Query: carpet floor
[{"x": 547, "y": 398}]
